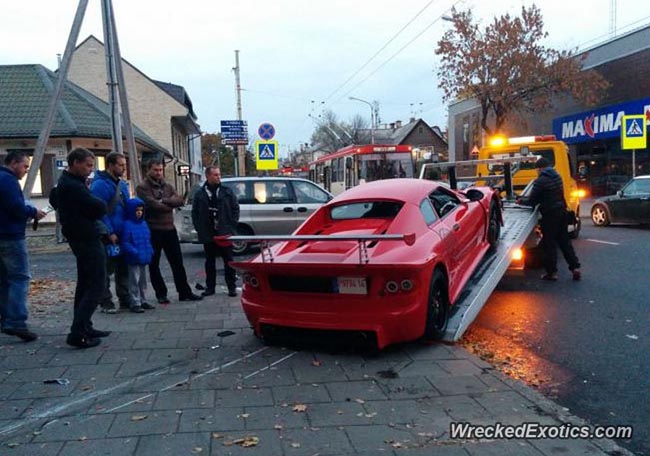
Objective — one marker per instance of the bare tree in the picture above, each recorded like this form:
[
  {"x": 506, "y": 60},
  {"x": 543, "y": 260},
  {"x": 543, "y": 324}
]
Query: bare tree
[
  {"x": 506, "y": 69},
  {"x": 332, "y": 134}
]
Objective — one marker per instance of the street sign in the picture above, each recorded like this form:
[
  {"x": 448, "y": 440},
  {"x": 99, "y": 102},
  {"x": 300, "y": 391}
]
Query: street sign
[
  {"x": 266, "y": 155},
  {"x": 60, "y": 163},
  {"x": 633, "y": 132},
  {"x": 234, "y": 132},
  {"x": 266, "y": 131}
]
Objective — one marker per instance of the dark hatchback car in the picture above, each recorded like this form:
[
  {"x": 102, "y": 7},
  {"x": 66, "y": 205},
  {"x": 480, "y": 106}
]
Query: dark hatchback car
[{"x": 631, "y": 204}]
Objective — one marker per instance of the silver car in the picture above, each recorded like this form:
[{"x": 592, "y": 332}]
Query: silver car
[{"x": 268, "y": 205}]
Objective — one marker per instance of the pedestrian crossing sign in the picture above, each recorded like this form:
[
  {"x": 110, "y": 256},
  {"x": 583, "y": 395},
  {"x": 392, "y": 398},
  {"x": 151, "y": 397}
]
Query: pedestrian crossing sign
[
  {"x": 266, "y": 155},
  {"x": 633, "y": 132}
]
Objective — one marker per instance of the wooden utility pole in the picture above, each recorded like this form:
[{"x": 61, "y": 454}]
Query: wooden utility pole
[
  {"x": 241, "y": 150},
  {"x": 120, "y": 116},
  {"x": 111, "y": 79},
  {"x": 134, "y": 162},
  {"x": 44, "y": 135}
]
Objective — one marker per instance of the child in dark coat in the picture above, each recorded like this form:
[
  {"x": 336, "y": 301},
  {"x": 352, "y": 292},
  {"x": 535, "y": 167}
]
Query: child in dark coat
[{"x": 136, "y": 245}]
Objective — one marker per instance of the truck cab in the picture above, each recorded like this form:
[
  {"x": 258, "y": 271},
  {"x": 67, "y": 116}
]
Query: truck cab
[{"x": 556, "y": 152}]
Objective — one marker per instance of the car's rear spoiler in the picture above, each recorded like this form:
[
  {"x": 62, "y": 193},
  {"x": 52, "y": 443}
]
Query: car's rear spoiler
[{"x": 266, "y": 241}]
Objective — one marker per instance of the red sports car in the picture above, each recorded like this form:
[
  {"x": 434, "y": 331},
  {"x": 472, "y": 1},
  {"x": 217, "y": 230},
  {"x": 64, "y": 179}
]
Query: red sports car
[{"x": 387, "y": 258}]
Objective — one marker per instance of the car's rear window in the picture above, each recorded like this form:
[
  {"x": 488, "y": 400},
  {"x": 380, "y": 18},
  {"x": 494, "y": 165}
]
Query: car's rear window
[{"x": 366, "y": 210}]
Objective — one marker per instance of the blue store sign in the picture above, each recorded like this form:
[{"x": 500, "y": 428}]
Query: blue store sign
[{"x": 602, "y": 123}]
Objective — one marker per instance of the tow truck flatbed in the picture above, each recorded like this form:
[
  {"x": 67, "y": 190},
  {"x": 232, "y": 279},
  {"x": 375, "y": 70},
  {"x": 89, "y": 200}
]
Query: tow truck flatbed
[{"x": 518, "y": 223}]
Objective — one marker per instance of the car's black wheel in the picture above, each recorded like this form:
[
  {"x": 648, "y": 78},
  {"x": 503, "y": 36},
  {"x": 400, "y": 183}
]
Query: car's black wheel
[
  {"x": 437, "y": 308},
  {"x": 599, "y": 215},
  {"x": 241, "y": 247},
  {"x": 494, "y": 226}
]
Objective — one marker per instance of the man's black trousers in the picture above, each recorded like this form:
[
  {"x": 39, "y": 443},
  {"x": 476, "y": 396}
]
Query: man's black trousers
[
  {"x": 554, "y": 235},
  {"x": 91, "y": 282},
  {"x": 211, "y": 252},
  {"x": 167, "y": 241}
]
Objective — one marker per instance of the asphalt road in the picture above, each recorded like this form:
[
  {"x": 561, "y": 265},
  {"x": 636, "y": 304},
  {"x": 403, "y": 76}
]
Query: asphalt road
[{"x": 583, "y": 343}]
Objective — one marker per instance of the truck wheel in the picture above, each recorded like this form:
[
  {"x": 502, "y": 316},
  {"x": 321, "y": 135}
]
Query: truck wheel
[
  {"x": 576, "y": 229},
  {"x": 494, "y": 226},
  {"x": 437, "y": 308},
  {"x": 599, "y": 215}
]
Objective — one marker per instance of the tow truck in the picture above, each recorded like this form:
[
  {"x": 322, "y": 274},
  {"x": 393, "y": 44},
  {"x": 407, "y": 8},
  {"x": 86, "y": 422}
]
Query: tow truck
[{"x": 509, "y": 166}]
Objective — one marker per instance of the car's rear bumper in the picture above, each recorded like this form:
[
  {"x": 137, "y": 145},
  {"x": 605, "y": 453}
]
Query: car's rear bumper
[{"x": 393, "y": 318}]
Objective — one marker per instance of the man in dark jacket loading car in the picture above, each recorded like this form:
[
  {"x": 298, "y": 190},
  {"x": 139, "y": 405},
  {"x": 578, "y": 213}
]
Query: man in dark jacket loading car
[
  {"x": 548, "y": 192},
  {"x": 215, "y": 211}
]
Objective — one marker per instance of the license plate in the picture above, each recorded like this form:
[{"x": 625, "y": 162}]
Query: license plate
[{"x": 352, "y": 285}]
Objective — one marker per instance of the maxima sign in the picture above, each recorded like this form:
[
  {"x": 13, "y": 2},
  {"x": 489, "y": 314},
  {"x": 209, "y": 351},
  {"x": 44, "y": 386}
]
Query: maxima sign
[{"x": 600, "y": 123}]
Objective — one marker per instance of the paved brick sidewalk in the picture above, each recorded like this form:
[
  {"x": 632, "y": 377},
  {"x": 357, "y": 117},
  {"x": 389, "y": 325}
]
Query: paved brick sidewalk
[{"x": 190, "y": 378}]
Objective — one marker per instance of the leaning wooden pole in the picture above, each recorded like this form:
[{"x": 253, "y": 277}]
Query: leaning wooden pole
[
  {"x": 111, "y": 78},
  {"x": 134, "y": 162},
  {"x": 44, "y": 135}
]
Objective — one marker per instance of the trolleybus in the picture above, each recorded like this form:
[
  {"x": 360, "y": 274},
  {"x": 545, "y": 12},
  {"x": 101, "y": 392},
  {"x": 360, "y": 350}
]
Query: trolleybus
[{"x": 356, "y": 164}]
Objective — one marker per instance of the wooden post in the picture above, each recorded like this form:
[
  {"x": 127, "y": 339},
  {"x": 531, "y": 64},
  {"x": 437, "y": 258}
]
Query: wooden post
[{"x": 44, "y": 135}]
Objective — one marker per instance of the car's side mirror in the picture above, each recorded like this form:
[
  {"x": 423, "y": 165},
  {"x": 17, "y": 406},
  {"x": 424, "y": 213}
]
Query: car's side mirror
[{"x": 620, "y": 194}]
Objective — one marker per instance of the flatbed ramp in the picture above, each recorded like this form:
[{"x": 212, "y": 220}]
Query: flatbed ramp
[{"x": 518, "y": 223}]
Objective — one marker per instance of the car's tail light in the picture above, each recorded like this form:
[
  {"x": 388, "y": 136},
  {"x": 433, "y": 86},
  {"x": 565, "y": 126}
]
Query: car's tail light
[
  {"x": 397, "y": 286},
  {"x": 250, "y": 279},
  {"x": 392, "y": 286},
  {"x": 517, "y": 254}
]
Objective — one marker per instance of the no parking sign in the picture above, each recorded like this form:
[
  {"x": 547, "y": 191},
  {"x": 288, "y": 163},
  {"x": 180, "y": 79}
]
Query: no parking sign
[{"x": 266, "y": 131}]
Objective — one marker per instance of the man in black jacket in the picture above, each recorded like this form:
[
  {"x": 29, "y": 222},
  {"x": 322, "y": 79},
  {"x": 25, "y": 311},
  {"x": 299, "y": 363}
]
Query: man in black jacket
[
  {"x": 215, "y": 211},
  {"x": 548, "y": 192},
  {"x": 80, "y": 213}
]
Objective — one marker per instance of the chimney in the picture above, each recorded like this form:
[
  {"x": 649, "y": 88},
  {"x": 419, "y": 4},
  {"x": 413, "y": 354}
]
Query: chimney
[
  {"x": 412, "y": 119},
  {"x": 392, "y": 125},
  {"x": 398, "y": 124}
]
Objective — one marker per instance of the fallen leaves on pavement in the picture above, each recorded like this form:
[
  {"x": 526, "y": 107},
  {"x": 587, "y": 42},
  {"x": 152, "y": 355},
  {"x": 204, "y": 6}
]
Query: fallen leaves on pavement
[
  {"x": 246, "y": 442},
  {"x": 299, "y": 408}
]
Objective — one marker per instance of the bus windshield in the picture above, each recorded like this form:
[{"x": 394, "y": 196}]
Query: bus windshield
[{"x": 385, "y": 166}]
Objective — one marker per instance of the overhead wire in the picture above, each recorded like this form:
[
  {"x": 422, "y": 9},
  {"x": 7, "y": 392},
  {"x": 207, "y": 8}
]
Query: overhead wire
[
  {"x": 396, "y": 53},
  {"x": 379, "y": 51}
]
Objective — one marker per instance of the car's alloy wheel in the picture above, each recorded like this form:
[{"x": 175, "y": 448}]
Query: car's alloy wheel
[
  {"x": 599, "y": 215},
  {"x": 437, "y": 308},
  {"x": 241, "y": 247}
]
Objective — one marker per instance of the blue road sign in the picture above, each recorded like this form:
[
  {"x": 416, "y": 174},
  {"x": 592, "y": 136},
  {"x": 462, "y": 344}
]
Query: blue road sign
[
  {"x": 266, "y": 131},
  {"x": 234, "y": 132}
]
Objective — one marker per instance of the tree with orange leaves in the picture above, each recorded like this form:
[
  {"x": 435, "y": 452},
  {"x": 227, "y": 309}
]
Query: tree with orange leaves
[{"x": 506, "y": 68}]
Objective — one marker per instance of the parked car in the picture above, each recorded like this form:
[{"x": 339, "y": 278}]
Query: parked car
[
  {"x": 386, "y": 259},
  {"x": 268, "y": 205},
  {"x": 631, "y": 204},
  {"x": 608, "y": 185}
]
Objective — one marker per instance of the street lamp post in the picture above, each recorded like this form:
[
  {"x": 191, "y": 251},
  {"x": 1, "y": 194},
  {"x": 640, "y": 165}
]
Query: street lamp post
[{"x": 372, "y": 117}]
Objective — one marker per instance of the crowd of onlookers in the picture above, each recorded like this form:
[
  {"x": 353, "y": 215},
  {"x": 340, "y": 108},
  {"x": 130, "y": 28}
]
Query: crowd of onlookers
[{"x": 110, "y": 233}]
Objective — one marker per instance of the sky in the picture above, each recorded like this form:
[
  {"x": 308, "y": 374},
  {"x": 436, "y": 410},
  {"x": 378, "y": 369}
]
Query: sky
[{"x": 297, "y": 58}]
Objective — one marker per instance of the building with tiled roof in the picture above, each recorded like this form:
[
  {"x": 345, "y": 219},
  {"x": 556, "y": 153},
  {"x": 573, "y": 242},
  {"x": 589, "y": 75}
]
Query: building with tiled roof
[{"x": 81, "y": 120}]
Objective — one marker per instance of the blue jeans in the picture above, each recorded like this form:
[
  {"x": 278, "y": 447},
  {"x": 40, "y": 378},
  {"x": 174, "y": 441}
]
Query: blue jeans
[{"x": 14, "y": 283}]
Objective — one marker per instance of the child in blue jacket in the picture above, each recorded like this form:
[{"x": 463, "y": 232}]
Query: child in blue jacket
[{"x": 136, "y": 245}]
